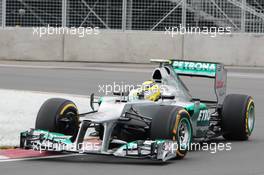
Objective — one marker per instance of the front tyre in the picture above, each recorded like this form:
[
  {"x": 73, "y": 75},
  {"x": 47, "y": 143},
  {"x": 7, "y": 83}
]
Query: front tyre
[
  {"x": 173, "y": 123},
  {"x": 238, "y": 117},
  {"x": 59, "y": 115}
]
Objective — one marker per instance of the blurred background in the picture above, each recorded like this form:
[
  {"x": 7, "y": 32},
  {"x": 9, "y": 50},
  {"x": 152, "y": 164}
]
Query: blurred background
[
  {"x": 148, "y": 15},
  {"x": 133, "y": 30}
]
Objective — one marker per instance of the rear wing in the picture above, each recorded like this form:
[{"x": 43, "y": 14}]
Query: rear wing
[
  {"x": 195, "y": 68},
  {"x": 204, "y": 69}
]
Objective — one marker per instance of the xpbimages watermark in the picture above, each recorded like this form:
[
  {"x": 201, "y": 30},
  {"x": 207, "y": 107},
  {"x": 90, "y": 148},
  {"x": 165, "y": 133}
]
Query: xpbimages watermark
[
  {"x": 82, "y": 147},
  {"x": 81, "y": 32},
  {"x": 173, "y": 147},
  {"x": 210, "y": 31},
  {"x": 108, "y": 89}
]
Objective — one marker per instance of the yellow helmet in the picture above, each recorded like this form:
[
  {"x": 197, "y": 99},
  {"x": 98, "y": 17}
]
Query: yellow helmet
[{"x": 150, "y": 90}]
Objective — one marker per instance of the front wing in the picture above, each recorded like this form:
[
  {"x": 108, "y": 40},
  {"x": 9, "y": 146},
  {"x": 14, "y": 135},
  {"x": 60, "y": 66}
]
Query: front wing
[{"x": 41, "y": 140}]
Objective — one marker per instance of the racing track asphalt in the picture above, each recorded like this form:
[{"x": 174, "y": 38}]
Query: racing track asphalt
[{"x": 245, "y": 157}]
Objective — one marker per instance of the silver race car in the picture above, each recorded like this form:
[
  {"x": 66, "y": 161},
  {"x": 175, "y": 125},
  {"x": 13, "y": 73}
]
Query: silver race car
[{"x": 157, "y": 121}]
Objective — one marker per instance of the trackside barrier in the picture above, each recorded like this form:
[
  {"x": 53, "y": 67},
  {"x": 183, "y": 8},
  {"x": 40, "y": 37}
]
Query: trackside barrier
[{"x": 131, "y": 47}]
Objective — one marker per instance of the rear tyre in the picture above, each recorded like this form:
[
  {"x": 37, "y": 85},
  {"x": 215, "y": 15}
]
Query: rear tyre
[
  {"x": 59, "y": 115},
  {"x": 173, "y": 124},
  {"x": 238, "y": 117}
]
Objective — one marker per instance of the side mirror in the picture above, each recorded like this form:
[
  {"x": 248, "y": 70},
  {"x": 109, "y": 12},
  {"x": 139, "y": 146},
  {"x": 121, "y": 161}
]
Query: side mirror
[{"x": 92, "y": 101}]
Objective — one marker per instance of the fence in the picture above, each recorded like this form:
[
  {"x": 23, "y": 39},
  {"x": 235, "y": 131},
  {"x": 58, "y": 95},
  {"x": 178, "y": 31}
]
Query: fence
[
  {"x": 0, "y": 13},
  {"x": 147, "y": 15}
]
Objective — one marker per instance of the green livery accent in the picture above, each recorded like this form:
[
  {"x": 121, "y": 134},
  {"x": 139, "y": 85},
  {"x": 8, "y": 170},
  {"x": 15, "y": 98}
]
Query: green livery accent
[
  {"x": 57, "y": 137},
  {"x": 134, "y": 144},
  {"x": 191, "y": 107},
  {"x": 101, "y": 99},
  {"x": 160, "y": 141},
  {"x": 192, "y": 111},
  {"x": 130, "y": 145},
  {"x": 201, "y": 113},
  {"x": 194, "y": 68}
]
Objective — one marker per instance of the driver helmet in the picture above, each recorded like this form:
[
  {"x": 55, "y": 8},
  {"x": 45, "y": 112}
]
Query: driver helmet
[{"x": 150, "y": 90}]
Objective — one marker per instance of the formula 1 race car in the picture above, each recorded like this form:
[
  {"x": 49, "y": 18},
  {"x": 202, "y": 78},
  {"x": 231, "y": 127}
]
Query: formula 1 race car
[{"x": 136, "y": 125}]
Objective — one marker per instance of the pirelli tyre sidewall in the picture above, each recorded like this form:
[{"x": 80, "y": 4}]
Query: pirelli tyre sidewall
[
  {"x": 182, "y": 133},
  {"x": 52, "y": 114},
  {"x": 238, "y": 117},
  {"x": 173, "y": 123}
]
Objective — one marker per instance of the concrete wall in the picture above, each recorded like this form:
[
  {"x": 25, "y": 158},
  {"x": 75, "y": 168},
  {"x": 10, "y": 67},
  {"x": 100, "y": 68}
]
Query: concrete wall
[
  {"x": 235, "y": 49},
  {"x": 21, "y": 44},
  {"x": 135, "y": 47}
]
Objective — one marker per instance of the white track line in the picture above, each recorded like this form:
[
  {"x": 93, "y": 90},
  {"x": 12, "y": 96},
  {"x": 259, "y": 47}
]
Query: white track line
[
  {"x": 3, "y": 157},
  {"x": 50, "y": 93},
  {"x": 114, "y": 69},
  {"x": 39, "y": 158}
]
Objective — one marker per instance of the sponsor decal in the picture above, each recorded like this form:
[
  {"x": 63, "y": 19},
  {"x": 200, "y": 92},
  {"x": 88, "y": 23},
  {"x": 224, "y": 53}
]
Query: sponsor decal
[
  {"x": 199, "y": 68},
  {"x": 195, "y": 66},
  {"x": 203, "y": 115},
  {"x": 219, "y": 84}
]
